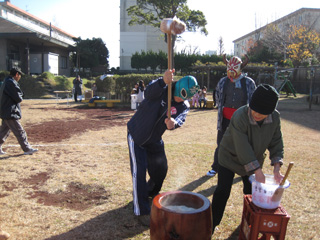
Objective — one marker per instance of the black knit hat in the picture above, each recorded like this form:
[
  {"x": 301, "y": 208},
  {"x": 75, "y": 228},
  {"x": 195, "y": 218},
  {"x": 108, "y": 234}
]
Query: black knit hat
[{"x": 264, "y": 99}]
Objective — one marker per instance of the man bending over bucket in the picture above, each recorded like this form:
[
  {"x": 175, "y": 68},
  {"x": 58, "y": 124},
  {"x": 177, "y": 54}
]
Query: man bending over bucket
[
  {"x": 253, "y": 129},
  {"x": 145, "y": 130}
]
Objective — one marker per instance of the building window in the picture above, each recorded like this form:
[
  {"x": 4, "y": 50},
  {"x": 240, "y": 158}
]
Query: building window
[{"x": 64, "y": 62}]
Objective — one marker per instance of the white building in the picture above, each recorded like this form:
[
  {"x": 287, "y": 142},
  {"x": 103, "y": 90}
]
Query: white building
[
  {"x": 31, "y": 43},
  {"x": 136, "y": 38}
]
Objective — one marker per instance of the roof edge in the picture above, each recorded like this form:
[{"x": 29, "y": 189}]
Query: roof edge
[{"x": 10, "y": 5}]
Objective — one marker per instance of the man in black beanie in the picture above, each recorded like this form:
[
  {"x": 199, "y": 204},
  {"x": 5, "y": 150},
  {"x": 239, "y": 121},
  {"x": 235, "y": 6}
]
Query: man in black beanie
[
  {"x": 253, "y": 129},
  {"x": 264, "y": 99}
]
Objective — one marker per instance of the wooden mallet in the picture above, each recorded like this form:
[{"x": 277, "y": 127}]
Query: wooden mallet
[{"x": 171, "y": 26}]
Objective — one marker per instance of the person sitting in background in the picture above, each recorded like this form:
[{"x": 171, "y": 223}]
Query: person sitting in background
[
  {"x": 195, "y": 99},
  {"x": 203, "y": 97},
  {"x": 253, "y": 129}
]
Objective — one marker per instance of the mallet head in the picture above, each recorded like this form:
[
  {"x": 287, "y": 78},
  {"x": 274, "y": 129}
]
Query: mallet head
[{"x": 172, "y": 26}]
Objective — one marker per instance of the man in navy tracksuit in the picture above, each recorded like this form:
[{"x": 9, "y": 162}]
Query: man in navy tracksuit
[{"x": 145, "y": 130}]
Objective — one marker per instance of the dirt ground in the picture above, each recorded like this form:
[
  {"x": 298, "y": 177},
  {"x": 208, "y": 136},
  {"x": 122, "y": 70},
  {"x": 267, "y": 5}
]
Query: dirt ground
[
  {"x": 76, "y": 120},
  {"x": 78, "y": 186}
]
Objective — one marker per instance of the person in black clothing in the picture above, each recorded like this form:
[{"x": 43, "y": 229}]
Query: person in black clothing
[
  {"x": 77, "y": 88},
  {"x": 135, "y": 89},
  {"x": 10, "y": 112},
  {"x": 140, "y": 92},
  {"x": 141, "y": 85},
  {"x": 145, "y": 130}
]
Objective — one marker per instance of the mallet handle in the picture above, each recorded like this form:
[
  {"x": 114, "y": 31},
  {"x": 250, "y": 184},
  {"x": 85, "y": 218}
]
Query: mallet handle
[
  {"x": 286, "y": 174},
  {"x": 169, "y": 67}
]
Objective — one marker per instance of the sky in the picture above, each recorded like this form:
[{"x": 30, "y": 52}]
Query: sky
[{"x": 100, "y": 19}]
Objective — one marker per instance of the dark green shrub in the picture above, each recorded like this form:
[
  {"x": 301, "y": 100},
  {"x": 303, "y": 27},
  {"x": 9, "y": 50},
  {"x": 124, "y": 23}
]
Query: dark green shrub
[
  {"x": 31, "y": 87},
  {"x": 47, "y": 75},
  {"x": 123, "y": 84},
  {"x": 62, "y": 83}
]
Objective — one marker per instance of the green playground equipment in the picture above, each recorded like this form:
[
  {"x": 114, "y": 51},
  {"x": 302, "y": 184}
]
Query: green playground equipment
[{"x": 283, "y": 84}]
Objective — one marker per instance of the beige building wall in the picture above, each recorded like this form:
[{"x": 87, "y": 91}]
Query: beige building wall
[
  {"x": 304, "y": 16},
  {"x": 136, "y": 38}
]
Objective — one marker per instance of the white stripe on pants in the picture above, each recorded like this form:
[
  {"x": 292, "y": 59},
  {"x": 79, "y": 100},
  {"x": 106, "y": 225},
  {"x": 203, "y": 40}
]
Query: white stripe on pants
[{"x": 134, "y": 175}]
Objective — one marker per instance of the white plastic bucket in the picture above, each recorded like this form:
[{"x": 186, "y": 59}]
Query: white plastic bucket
[
  {"x": 262, "y": 192},
  {"x": 134, "y": 101}
]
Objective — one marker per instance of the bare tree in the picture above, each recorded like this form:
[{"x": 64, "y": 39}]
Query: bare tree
[
  {"x": 276, "y": 39},
  {"x": 220, "y": 46}
]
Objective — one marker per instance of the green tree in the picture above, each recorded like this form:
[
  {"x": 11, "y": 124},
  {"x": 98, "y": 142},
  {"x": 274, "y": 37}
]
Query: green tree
[
  {"x": 261, "y": 53},
  {"x": 151, "y": 12},
  {"x": 136, "y": 61},
  {"x": 205, "y": 58},
  {"x": 144, "y": 61},
  {"x": 152, "y": 59},
  {"x": 184, "y": 61},
  {"x": 90, "y": 53},
  {"x": 162, "y": 58}
]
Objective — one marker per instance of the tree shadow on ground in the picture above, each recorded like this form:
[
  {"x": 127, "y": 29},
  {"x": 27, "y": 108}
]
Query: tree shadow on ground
[
  {"x": 120, "y": 223},
  {"x": 207, "y": 192},
  {"x": 235, "y": 234},
  {"x": 297, "y": 110},
  {"x": 5, "y": 157},
  {"x": 114, "y": 225}
]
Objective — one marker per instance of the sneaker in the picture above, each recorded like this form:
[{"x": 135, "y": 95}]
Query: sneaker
[
  {"x": 31, "y": 151},
  {"x": 144, "y": 220},
  {"x": 211, "y": 173}
]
